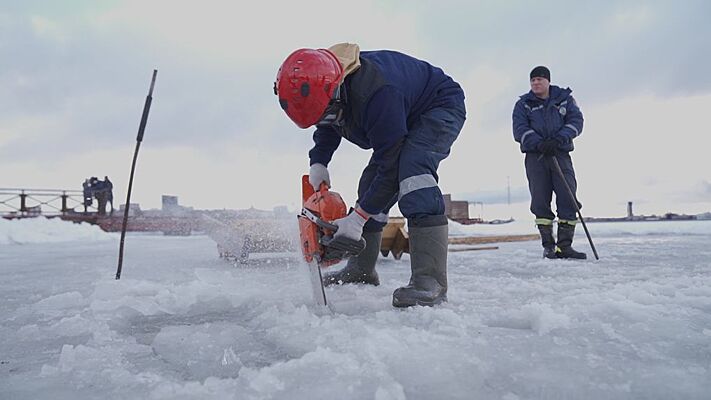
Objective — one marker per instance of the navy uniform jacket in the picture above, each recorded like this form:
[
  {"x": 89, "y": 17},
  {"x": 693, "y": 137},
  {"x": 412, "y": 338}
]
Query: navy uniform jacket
[
  {"x": 556, "y": 117},
  {"x": 384, "y": 97}
]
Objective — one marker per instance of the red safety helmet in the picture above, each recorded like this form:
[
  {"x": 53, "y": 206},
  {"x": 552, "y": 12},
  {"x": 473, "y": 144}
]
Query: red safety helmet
[{"x": 306, "y": 83}]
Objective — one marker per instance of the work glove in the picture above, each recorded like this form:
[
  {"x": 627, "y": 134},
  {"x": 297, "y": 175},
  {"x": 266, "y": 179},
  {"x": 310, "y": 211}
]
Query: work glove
[
  {"x": 317, "y": 174},
  {"x": 351, "y": 226},
  {"x": 562, "y": 140},
  {"x": 548, "y": 147}
]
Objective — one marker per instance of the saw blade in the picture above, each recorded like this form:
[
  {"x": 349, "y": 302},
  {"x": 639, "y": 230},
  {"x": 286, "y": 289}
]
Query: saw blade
[{"x": 317, "y": 285}]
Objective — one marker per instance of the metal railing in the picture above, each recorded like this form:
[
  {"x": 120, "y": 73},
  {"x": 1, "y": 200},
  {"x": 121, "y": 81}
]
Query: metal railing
[{"x": 31, "y": 202}]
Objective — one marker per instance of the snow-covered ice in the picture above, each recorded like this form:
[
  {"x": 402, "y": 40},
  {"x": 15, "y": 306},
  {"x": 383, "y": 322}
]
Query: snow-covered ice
[
  {"x": 183, "y": 324},
  {"x": 45, "y": 230}
]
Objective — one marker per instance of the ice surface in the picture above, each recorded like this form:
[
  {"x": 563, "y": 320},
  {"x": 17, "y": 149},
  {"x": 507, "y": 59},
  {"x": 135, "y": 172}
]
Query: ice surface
[{"x": 183, "y": 324}]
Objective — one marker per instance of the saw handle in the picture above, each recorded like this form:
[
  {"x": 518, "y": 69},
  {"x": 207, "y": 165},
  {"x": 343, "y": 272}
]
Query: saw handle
[
  {"x": 307, "y": 190},
  {"x": 327, "y": 225},
  {"x": 318, "y": 221}
]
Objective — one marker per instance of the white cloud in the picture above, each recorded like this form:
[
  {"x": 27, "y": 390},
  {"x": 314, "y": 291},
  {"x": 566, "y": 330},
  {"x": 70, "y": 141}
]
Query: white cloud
[
  {"x": 636, "y": 18},
  {"x": 49, "y": 29},
  {"x": 74, "y": 95},
  {"x": 261, "y": 34}
]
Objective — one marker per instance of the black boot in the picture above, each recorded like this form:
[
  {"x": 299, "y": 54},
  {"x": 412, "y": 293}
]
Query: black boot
[
  {"x": 428, "y": 262},
  {"x": 565, "y": 242},
  {"x": 547, "y": 241},
  {"x": 361, "y": 268}
]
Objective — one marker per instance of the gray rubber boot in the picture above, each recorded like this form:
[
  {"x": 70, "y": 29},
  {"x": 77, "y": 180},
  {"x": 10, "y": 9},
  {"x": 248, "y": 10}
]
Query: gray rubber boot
[
  {"x": 360, "y": 269},
  {"x": 548, "y": 241},
  {"x": 565, "y": 242},
  {"x": 428, "y": 262}
]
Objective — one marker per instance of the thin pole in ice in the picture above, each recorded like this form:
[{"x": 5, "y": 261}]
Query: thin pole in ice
[{"x": 139, "y": 139}]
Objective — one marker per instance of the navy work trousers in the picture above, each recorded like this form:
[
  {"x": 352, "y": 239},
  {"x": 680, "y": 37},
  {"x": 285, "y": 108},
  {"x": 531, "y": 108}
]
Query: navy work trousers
[{"x": 543, "y": 180}]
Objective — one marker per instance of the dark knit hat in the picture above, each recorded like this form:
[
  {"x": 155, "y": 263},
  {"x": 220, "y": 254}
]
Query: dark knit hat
[{"x": 541, "y": 72}]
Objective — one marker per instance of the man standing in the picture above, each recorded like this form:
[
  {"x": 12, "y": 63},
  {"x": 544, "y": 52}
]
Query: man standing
[
  {"x": 88, "y": 195},
  {"x": 545, "y": 122},
  {"x": 409, "y": 113},
  {"x": 109, "y": 192}
]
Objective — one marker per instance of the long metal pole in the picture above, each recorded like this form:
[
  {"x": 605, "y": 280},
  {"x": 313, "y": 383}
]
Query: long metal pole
[
  {"x": 139, "y": 139},
  {"x": 575, "y": 201}
]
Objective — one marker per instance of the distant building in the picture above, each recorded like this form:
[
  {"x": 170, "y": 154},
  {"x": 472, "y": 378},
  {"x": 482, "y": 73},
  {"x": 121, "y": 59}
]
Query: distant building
[
  {"x": 281, "y": 211},
  {"x": 169, "y": 202},
  {"x": 670, "y": 216},
  {"x": 170, "y": 206},
  {"x": 133, "y": 211},
  {"x": 678, "y": 217},
  {"x": 630, "y": 214},
  {"x": 704, "y": 216},
  {"x": 455, "y": 209}
]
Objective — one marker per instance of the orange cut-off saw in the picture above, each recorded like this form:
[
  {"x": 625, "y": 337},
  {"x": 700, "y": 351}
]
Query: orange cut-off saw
[{"x": 316, "y": 231}]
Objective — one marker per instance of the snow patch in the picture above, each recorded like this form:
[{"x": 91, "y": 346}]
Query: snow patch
[
  {"x": 540, "y": 318},
  {"x": 48, "y": 230},
  {"x": 635, "y": 230},
  {"x": 391, "y": 391},
  {"x": 59, "y": 303},
  {"x": 212, "y": 349}
]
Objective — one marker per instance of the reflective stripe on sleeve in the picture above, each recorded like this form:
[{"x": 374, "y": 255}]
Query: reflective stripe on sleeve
[
  {"x": 574, "y": 129},
  {"x": 528, "y": 132}
]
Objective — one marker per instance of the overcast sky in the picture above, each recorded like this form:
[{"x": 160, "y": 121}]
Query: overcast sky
[{"x": 74, "y": 76}]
